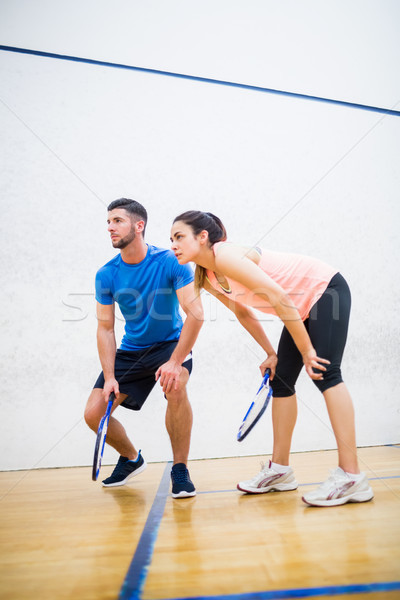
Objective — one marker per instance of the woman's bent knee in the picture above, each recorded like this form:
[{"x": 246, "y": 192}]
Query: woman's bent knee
[{"x": 331, "y": 378}]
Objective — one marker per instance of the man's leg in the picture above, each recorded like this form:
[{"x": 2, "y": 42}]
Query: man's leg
[
  {"x": 179, "y": 420},
  {"x": 116, "y": 434}
]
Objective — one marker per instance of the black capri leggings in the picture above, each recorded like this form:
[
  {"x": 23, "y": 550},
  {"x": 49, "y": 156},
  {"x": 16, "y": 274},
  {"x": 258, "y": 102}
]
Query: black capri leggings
[{"x": 327, "y": 327}]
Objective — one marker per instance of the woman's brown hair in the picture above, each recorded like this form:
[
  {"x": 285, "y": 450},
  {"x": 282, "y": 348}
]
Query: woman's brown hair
[{"x": 200, "y": 221}]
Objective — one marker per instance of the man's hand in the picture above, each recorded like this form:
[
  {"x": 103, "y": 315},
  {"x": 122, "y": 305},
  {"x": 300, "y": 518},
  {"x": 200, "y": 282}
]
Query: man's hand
[
  {"x": 312, "y": 361},
  {"x": 269, "y": 363},
  {"x": 110, "y": 385},
  {"x": 169, "y": 374}
]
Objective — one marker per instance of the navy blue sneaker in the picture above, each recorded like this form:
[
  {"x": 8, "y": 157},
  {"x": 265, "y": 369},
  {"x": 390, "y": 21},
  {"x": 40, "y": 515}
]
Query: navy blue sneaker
[
  {"x": 182, "y": 487},
  {"x": 124, "y": 470}
]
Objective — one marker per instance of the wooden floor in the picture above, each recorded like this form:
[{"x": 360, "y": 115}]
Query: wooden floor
[{"x": 64, "y": 536}]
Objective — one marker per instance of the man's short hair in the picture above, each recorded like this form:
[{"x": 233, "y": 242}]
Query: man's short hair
[{"x": 135, "y": 209}]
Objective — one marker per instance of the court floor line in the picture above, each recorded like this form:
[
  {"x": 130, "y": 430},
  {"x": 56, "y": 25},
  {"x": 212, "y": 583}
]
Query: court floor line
[
  {"x": 300, "y": 485},
  {"x": 334, "y": 590},
  {"x": 244, "y": 86},
  {"x": 135, "y": 578}
]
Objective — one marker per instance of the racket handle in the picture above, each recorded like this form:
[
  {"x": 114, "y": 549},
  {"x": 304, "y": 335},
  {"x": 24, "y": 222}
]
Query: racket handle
[
  {"x": 266, "y": 376},
  {"x": 111, "y": 397}
]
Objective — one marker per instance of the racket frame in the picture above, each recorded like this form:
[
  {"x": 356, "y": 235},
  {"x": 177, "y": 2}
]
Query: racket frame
[
  {"x": 100, "y": 440},
  {"x": 265, "y": 383}
]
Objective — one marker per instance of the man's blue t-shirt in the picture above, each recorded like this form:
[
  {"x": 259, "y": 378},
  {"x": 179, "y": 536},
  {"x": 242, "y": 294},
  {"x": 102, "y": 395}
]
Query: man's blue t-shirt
[{"x": 146, "y": 296}]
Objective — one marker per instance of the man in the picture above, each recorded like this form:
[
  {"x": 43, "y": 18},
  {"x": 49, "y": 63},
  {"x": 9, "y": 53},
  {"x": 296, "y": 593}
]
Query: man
[{"x": 149, "y": 285}]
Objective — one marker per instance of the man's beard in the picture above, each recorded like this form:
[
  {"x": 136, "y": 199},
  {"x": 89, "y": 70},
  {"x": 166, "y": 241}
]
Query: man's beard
[{"x": 124, "y": 242}]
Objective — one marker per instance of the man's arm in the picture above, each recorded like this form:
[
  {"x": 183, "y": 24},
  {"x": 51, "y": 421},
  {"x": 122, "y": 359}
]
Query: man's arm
[
  {"x": 107, "y": 347},
  {"x": 191, "y": 304}
]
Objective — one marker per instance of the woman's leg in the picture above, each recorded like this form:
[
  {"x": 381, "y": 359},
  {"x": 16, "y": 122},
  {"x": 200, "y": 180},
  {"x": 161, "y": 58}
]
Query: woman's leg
[
  {"x": 276, "y": 475},
  {"x": 284, "y": 403},
  {"x": 328, "y": 326},
  {"x": 284, "y": 416},
  {"x": 341, "y": 414}
]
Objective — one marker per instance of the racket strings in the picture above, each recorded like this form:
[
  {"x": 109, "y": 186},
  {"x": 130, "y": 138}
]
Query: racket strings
[{"x": 257, "y": 408}]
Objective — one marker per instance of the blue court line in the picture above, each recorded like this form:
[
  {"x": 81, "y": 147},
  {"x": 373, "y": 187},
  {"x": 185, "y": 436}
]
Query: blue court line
[
  {"x": 136, "y": 576},
  {"x": 300, "y": 485},
  {"x": 216, "y": 491},
  {"x": 243, "y": 86},
  {"x": 369, "y": 479},
  {"x": 331, "y": 590}
]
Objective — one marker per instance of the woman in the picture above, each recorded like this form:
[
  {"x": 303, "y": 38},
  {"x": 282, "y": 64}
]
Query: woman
[{"x": 313, "y": 301}]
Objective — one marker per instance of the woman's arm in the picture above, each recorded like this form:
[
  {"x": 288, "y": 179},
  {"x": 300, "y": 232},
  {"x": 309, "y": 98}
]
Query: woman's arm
[
  {"x": 169, "y": 372},
  {"x": 249, "y": 321},
  {"x": 232, "y": 262}
]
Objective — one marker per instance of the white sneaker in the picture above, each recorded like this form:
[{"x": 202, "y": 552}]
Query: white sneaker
[
  {"x": 269, "y": 480},
  {"x": 339, "y": 489}
]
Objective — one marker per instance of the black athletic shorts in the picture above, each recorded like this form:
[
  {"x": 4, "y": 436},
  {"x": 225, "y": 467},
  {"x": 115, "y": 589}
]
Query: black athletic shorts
[
  {"x": 135, "y": 371},
  {"x": 327, "y": 327}
]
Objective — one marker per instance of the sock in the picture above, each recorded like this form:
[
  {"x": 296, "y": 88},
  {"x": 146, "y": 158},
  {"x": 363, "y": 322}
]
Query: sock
[
  {"x": 279, "y": 468},
  {"x": 355, "y": 476},
  {"x": 136, "y": 459}
]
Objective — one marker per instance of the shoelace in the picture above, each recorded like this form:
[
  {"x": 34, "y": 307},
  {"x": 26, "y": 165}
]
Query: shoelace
[
  {"x": 180, "y": 476},
  {"x": 123, "y": 467},
  {"x": 334, "y": 480},
  {"x": 265, "y": 469}
]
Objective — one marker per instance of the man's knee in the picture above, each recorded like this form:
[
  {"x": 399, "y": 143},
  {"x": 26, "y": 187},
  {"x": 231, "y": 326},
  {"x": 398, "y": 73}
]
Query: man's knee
[
  {"x": 178, "y": 395},
  {"x": 91, "y": 414}
]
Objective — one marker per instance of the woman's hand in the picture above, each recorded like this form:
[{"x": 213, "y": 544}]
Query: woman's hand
[
  {"x": 269, "y": 363},
  {"x": 312, "y": 361}
]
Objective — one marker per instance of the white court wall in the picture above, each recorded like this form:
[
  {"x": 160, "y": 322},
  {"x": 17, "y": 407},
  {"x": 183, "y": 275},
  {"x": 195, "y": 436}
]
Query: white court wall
[{"x": 283, "y": 173}]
